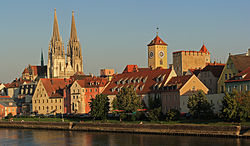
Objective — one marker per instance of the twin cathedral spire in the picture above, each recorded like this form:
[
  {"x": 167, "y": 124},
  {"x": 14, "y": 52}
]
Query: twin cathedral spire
[{"x": 61, "y": 65}]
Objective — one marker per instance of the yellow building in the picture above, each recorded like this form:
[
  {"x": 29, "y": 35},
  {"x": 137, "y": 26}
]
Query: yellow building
[
  {"x": 178, "y": 86},
  {"x": 235, "y": 64},
  {"x": 185, "y": 60},
  {"x": 157, "y": 53},
  {"x": 50, "y": 96}
]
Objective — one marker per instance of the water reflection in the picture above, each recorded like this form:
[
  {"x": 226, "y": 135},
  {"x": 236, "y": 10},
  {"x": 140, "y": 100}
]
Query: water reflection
[{"x": 21, "y": 137}]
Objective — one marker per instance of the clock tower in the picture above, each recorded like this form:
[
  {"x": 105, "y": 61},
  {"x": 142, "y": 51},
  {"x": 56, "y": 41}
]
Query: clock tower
[{"x": 157, "y": 53}]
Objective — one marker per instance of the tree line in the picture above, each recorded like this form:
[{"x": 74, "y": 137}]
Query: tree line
[{"x": 129, "y": 106}]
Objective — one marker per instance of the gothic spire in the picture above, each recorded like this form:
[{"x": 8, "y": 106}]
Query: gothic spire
[
  {"x": 73, "y": 33},
  {"x": 42, "y": 62},
  {"x": 56, "y": 35}
]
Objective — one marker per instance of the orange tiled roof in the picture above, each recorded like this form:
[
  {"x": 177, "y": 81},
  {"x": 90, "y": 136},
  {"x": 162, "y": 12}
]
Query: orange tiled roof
[
  {"x": 157, "y": 41},
  {"x": 54, "y": 86},
  {"x": 144, "y": 81},
  {"x": 5, "y": 97},
  {"x": 204, "y": 49},
  {"x": 37, "y": 70}
]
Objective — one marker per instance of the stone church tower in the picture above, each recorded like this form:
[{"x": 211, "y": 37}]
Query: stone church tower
[
  {"x": 57, "y": 66},
  {"x": 74, "y": 50},
  {"x": 56, "y": 55}
]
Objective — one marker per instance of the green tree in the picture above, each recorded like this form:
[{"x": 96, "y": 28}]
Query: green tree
[
  {"x": 199, "y": 107},
  {"x": 154, "y": 113},
  {"x": 127, "y": 100},
  {"x": 99, "y": 107},
  {"x": 235, "y": 107}
]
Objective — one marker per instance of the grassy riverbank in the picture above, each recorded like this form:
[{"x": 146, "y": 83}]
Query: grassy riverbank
[{"x": 191, "y": 122}]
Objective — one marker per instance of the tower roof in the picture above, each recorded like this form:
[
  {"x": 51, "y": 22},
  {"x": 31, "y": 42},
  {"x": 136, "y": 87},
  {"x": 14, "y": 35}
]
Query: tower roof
[
  {"x": 73, "y": 33},
  {"x": 157, "y": 41},
  {"x": 56, "y": 35},
  {"x": 204, "y": 49}
]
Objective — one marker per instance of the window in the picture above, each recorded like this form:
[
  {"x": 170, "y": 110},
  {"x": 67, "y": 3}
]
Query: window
[
  {"x": 222, "y": 89},
  {"x": 55, "y": 100},
  {"x": 51, "y": 100},
  {"x": 228, "y": 66},
  {"x": 225, "y": 76},
  {"x": 51, "y": 107},
  {"x": 95, "y": 90},
  {"x": 193, "y": 88},
  {"x": 229, "y": 77},
  {"x": 43, "y": 100},
  {"x": 241, "y": 89},
  {"x": 86, "y": 90},
  {"x": 82, "y": 90},
  {"x": 73, "y": 97},
  {"x": 43, "y": 107},
  {"x": 47, "y": 101},
  {"x": 35, "y": 101},
  {"x": 60, "y": 107},
  {"x": 90, "y": 90}
]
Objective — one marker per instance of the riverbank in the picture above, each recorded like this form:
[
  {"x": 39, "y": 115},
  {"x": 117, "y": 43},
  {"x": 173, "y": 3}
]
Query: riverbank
[{"x": 172, "y": 129}]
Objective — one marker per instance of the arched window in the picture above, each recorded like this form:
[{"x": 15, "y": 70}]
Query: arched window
[
  {"x": 60, "y": 66},
  {"x": 77, "y": 68}
]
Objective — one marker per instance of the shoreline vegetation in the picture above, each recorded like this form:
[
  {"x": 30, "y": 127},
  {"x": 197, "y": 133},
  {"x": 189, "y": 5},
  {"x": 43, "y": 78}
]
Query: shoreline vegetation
[{"x": 183, "y": 128}]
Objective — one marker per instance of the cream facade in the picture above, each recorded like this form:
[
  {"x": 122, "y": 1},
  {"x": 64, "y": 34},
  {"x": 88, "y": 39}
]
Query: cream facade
[
  {"x": 185, "y": 60},
  {"x": 157, "y": 53},
  {"x": 44, "y": 103}
]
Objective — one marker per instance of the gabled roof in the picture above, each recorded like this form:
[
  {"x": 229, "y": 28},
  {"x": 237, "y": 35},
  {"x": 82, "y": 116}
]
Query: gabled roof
[
  {"x": 240, "y": 62},
  {"x": 204, "y": 49},
  {"x": 144, "y": 81},
  {"x": 157, "y": 41},
  {"x": 54, "y": 86},
  {"x": 178, "y": 81},
  {"x": 92, "y": 82},
  {"x": 242, "y": 76}
]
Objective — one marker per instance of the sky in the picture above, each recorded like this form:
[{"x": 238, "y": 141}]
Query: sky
[{"x": 115, "y": 33}]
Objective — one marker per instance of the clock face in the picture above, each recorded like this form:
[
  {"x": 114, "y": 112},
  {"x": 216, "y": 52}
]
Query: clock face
[
  {"x": 161, "y": 54},
  {"x": 151, "y": 54}
]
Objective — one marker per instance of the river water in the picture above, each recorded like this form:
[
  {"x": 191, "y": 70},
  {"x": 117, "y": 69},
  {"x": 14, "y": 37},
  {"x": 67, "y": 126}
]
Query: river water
[{"x": 28, "y": 137}]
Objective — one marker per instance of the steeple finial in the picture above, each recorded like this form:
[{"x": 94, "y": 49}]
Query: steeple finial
[
  {"x": 42, "y": 61},
  {"x": 56, "y": 35},
  {"x": 73, "y": 33},
  {"x": 157, "y": 30}
]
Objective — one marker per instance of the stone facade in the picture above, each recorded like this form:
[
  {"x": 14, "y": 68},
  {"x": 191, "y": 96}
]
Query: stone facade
[
  {"x": 185, "y": 60},
  {"x": 58, "y": 67}
]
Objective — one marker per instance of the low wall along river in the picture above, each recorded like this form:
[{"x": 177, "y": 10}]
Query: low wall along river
[{"x": 171, "y": 129}]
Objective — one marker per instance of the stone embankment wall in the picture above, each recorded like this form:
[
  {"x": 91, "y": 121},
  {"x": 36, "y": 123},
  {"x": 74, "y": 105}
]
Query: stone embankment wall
[{"x": 180, "y": 129}]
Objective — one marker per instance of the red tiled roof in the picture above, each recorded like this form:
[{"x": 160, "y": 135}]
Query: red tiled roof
[
  {"x": 204, "y": 49},
  {"x": 144, "y": 81},
  {"x": 157, "y": 41},
  {"x": 242, "y": 76},
  {"x": 130, "y": 68},
  {"x": 52, "y": 86},
  {"x": 195, "y": 71},
  {"x": 240, "y": 62},
  {"x": 178, "y": 81},
  {"x": 92, "y": 82}
]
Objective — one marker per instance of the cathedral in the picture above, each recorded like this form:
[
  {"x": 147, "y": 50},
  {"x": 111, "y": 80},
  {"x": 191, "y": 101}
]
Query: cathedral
[{"x": 61, "y": 65}]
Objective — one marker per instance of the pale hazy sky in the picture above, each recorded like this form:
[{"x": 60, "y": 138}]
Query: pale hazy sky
[{"x": 114, "y": 33}]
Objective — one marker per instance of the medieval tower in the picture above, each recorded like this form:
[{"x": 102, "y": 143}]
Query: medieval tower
[
  {"x": 57, "y": 66},
  {"x": 157, "y": 53}
]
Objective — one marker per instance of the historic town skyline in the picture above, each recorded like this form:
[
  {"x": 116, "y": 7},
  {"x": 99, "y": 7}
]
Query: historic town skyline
[{"x": 110, "y": 31}]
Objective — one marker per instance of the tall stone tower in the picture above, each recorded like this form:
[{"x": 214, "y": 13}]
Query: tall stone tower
[
  {"x": 56, "y": 55},
  {"x": 157, "y": 53},
  {"x": 74, "y": 51}
]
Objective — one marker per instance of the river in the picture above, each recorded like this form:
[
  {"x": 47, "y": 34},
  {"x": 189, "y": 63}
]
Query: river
[{"x": 30, "y": 137}]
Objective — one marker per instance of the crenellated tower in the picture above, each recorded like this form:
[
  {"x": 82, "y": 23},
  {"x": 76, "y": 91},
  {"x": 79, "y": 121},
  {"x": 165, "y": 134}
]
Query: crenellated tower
[{"x": 56, "y": 55}]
